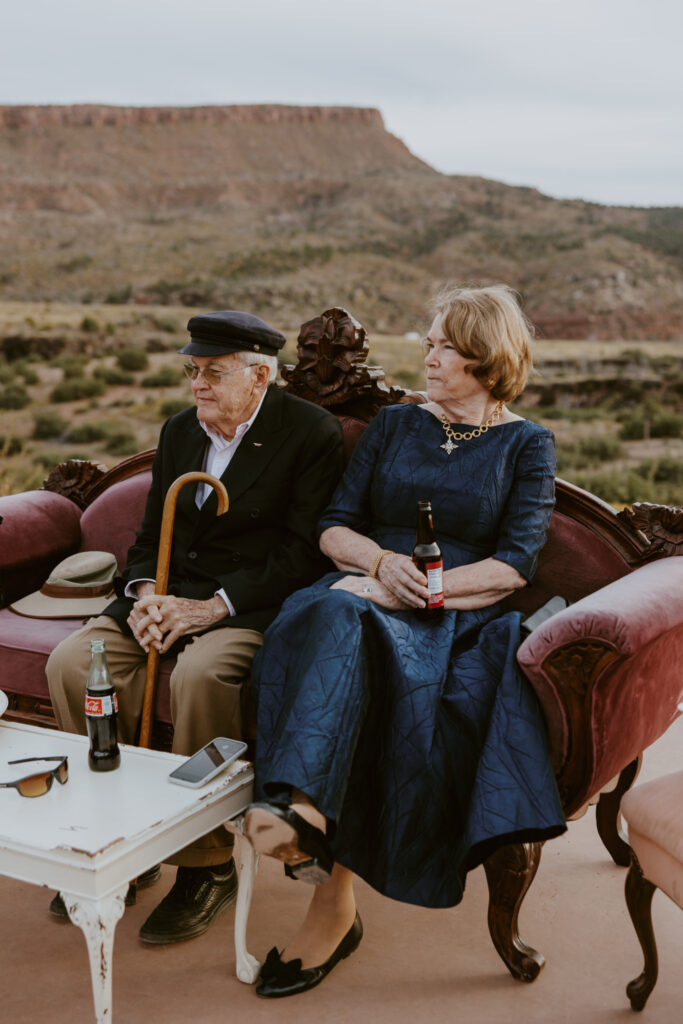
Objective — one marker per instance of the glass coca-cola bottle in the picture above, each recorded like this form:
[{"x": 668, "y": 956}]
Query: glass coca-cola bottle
[
  {"x": 427, "y": 557},
  {"x": 101, "y": 709}
]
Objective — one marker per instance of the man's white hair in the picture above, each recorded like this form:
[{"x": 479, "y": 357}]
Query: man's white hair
[{"x": 256, "y": 359}]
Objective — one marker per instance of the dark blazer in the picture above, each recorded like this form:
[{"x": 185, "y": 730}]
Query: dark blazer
[{"x": 264, "y": 548}]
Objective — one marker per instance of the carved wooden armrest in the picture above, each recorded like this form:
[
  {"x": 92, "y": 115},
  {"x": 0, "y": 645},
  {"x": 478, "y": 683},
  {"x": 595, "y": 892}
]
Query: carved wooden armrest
[{"x": 607, "y": 674}]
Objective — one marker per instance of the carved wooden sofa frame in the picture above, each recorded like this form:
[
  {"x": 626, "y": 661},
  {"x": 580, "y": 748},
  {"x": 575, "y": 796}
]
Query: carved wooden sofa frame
[{"x": 606, "y": 670}]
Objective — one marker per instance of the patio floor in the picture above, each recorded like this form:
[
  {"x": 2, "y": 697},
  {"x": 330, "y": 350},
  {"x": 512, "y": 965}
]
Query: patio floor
[{"x": 413, "y": 965}]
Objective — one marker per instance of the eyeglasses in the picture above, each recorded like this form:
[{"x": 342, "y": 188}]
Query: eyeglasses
[
  {"x": 210, "y": 376},
  {"x": 39, "y": 782}
]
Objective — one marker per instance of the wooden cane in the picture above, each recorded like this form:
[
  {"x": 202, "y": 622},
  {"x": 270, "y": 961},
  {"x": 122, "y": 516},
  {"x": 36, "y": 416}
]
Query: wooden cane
[{"x": 163, "y": 565}]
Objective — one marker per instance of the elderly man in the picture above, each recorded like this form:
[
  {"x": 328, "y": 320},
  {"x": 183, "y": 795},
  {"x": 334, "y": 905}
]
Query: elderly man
[{"x": 279, "y": 458}]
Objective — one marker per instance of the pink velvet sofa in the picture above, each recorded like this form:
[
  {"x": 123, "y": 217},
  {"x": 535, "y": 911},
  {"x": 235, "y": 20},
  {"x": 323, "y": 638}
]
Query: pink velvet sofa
[{"x": 606, "y": 670}]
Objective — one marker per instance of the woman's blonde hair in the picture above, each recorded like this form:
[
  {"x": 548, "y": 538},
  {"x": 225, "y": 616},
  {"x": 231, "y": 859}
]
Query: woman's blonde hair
[{"x": 488, "y": 326}]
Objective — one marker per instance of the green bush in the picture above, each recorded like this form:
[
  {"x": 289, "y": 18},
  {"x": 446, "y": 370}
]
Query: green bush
[
  {"x": 120, "y": 296},
  {"x": 661, "y": 424},
  {"x": 11, "y": 445},
  {"x": 72, "y": 367},
  {"x": 73, "y": 390},
  {"x": 47, "y": 424},
  {"x": 14, "y": 396},
  {"x": 165, "y": 377},
  {"x": 165, "y": 323},
  {"x": 23, "y": 369},
  {"x": 132, "y": 359},
  {"x": 112, "y": 375},
  {"x": 90, "y": 324},
  {"x": 593, "y": 450},
  {"x": 172, "y": 406},
  {"x": 122, "y": 442},
  {"x": 86, "y": 433},
  {"x": 665, "y": 470},
  {"x": 619, "y": 487}
]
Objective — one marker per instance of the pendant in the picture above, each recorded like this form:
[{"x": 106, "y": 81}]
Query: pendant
[{"x": 448, "y": 446}]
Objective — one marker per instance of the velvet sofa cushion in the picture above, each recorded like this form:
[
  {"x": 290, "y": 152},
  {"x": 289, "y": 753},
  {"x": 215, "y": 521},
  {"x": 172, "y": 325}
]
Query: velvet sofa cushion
[
  {"x": 574, "y": 562},
  {"x": 654, "y": 814},
  {"x": 638, "y": 622},
  {"x": 38, "y": 530},
  {"x": 111, "y": 521}
]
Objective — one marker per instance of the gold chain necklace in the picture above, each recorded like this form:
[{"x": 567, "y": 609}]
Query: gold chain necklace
[{"x": 452, "y": 435}]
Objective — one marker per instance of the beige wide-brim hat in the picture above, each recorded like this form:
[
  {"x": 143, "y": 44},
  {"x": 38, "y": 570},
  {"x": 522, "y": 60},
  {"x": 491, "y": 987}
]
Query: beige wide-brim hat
[{"x": 80, "y": 585}]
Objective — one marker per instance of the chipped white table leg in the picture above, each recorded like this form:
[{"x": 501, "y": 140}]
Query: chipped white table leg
[
  {"x": 97, "y": 919},
  {"x": 247, "y": 966}
]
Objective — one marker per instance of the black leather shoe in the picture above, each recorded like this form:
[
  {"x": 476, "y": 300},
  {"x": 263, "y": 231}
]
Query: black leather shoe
[
  {"x": 288, "y": 979},
  {"x": 143, "y": 881},
  {"x": 278, "y": 831},
  {"x": 198, "y": 896}
]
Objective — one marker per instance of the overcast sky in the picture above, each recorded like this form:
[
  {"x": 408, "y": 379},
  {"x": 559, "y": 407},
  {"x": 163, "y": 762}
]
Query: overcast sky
[{"x": 580, "y": 99}]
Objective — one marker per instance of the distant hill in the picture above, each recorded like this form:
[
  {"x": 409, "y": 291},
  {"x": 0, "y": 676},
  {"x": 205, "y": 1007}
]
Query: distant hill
[{"x": 286, "y": 211}]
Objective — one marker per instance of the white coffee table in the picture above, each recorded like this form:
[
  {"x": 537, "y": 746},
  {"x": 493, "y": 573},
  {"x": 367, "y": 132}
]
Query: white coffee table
[{"x": 90, "y": 837}]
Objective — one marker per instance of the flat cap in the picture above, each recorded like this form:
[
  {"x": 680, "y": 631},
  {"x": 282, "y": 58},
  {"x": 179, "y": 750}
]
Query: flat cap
[{"x": 218, "y": 334}]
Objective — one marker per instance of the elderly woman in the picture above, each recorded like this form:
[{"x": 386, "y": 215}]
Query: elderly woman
[{"x": 402, "y": 749}]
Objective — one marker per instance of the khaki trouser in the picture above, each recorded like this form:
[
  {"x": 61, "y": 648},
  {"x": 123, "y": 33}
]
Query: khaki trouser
[{"x": 205, "y": 697}]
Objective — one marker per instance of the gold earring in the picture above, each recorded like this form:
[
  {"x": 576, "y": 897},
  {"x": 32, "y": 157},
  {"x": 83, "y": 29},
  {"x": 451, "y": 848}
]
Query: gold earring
[{"x": 491, "y": 383}]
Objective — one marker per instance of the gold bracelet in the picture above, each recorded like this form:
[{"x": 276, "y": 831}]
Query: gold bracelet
[{"x": 376, "y": 562}]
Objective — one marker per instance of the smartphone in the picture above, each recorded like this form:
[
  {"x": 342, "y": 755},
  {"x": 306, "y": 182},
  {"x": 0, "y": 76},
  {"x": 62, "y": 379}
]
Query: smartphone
[{"x": 207, "y": 762}]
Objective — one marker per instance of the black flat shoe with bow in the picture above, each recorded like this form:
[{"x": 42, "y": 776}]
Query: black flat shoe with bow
[
  {"x": 276, "y": 830},
  {"x": 288, "y": 979}
]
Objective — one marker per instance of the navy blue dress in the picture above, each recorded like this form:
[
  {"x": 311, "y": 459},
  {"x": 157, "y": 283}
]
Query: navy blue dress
[{"x": 422, "y": 743}]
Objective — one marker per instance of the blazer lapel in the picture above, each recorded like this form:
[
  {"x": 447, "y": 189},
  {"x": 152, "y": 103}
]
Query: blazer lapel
[
  {"x": 256, "y": 450},
  {"x": 190, "y": 458}
]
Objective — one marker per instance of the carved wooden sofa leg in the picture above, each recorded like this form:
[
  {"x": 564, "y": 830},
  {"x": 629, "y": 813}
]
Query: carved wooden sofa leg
[
  {"x": 607, "y": 816},
  {"x": 639, "y": 893},
  {"x": 509, "y": 873}
]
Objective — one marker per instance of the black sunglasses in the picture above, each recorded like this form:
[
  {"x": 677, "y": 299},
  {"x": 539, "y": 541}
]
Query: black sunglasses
[{"x": 39, "y": 782}]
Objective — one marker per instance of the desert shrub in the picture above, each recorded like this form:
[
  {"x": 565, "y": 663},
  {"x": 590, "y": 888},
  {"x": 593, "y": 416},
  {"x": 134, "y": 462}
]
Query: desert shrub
[
  {"x": 665, "y": 470},
  {"x": 14, "y": 396},
  {"x": 587, "y": 451},
  {"x": 22, "y": 369},
  {"x": 10, "y": 445},
  {"x": 635, "y": 355},
  {"x": 122, "y": 442},
  {"x": 86, "y": 433},
  {"x": 575, "y": 414},
  {"x": 156, "y": 345},
  {"x": 594, "y": 450},
  {"x": 165, "y": 323},
  {"x": 172, "y": 406},
  {"x": 661, "y": 424},
  {"x": 132, "y": 359},
  {"x": 89, "y": 324},
  {"x": 6, "y": 374},
  {"x": 164, "y": 377},
  {"x": 71, "y": 366},
  {"x": 119, "y": 296},
  {"x": 112, "y": 375},
  {"x": 620, "y": 487},
  {"x": 47, "y": 424},
  {"x": 73, "y": 390}
]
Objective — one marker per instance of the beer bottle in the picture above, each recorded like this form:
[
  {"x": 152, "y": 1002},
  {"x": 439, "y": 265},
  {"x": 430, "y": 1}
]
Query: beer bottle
[
  {"x": 427, "y": 557},
  {"x": 101, "y": 709}
]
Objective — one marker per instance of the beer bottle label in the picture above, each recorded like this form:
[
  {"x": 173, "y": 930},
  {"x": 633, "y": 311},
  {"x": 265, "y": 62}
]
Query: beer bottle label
[
  {"x": 434, "y": 572},
  {"x": 99, "y": 707}
]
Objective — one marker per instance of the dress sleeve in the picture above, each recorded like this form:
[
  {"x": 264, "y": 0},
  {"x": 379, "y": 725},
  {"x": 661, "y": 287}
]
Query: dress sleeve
[
  {"x": 351, "y": 503},
  {"x": 529, "y": 506}
]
